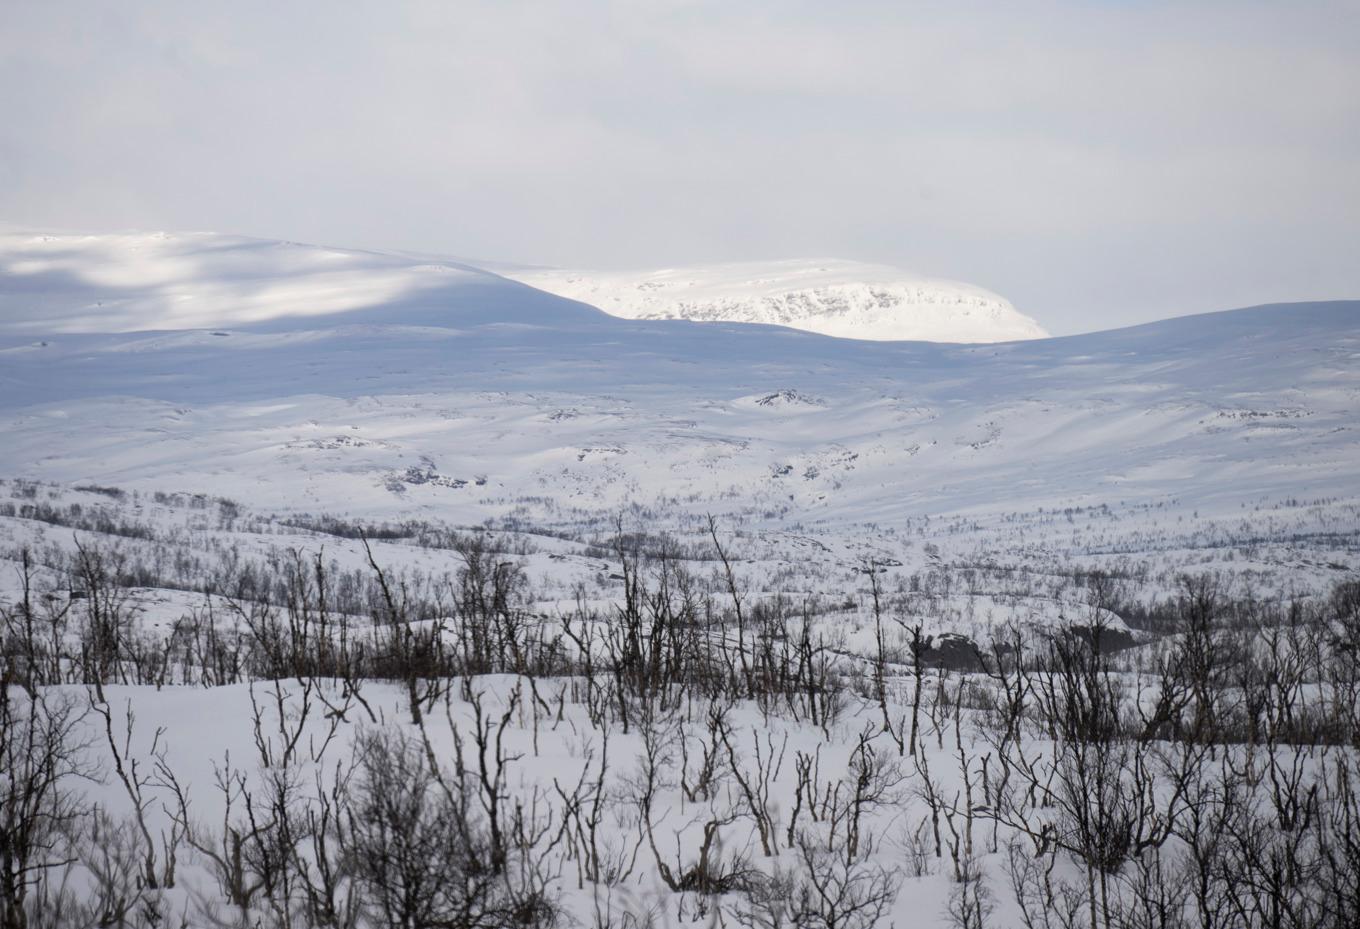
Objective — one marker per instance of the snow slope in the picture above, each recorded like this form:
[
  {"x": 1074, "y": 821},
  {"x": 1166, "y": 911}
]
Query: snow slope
[
  {"x": 476, "y": 398},
  {"x": 847, "y": 299},
  {"x": 160, "y": 281}
]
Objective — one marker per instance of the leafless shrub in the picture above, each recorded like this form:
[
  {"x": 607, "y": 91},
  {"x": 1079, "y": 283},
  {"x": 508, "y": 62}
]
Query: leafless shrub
[{"x": 41, "y": 759}]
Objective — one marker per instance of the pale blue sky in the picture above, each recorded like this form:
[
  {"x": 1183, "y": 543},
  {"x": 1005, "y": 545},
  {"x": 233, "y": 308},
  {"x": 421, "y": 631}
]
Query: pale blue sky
[{"x": 1097, "y": 163}]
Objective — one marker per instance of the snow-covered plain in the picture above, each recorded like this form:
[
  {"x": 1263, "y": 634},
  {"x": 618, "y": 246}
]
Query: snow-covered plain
[{"x": 847, "y": 299}]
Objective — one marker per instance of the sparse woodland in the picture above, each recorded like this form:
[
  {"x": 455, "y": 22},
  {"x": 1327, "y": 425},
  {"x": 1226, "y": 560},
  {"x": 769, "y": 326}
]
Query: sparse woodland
[{"x": 313, "y": 749}]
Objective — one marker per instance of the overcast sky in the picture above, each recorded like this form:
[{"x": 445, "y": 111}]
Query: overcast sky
[{"x": 1098, "y": 163}]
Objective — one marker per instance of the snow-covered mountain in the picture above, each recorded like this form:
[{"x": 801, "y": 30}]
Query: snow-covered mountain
[
  {"x": 151, "y": 281},
  {"x": 54, "y": 283},
  {"x": 847, "y": 299},
  {"x": 293, "y": 377}
]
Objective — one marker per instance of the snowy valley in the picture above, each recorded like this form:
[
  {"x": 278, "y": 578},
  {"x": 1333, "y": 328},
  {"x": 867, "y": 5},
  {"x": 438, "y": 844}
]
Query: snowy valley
[{"x": 350, "y": 589}]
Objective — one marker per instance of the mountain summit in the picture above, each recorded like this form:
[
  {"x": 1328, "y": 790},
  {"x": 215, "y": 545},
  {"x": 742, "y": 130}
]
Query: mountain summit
[{"x": 846, "y": 299}]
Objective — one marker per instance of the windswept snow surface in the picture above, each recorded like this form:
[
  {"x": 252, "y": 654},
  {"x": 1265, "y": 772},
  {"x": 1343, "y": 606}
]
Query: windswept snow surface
[
  {"x": 453, "y": 394},
  {"x": 847, "y": 299},
  {"x": 144, "y": 281}
]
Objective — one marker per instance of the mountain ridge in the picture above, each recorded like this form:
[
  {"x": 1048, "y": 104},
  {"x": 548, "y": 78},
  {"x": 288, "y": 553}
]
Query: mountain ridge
[
  {"x": 120, "y": 282},
  {"x": 834, "y": 297}
]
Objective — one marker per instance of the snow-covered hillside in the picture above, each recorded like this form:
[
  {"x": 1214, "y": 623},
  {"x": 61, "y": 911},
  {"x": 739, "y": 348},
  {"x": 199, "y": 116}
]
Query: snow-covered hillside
[
  {"x": 52, "y": 283},
  {"x": 456, "y": 394},
  {"x": 847, "y": 299}
]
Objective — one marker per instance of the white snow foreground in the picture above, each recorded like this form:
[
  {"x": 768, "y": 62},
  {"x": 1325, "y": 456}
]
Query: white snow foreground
[
  {"x": 846, "y": 299},
  {"x": 246, "y": 770}
]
